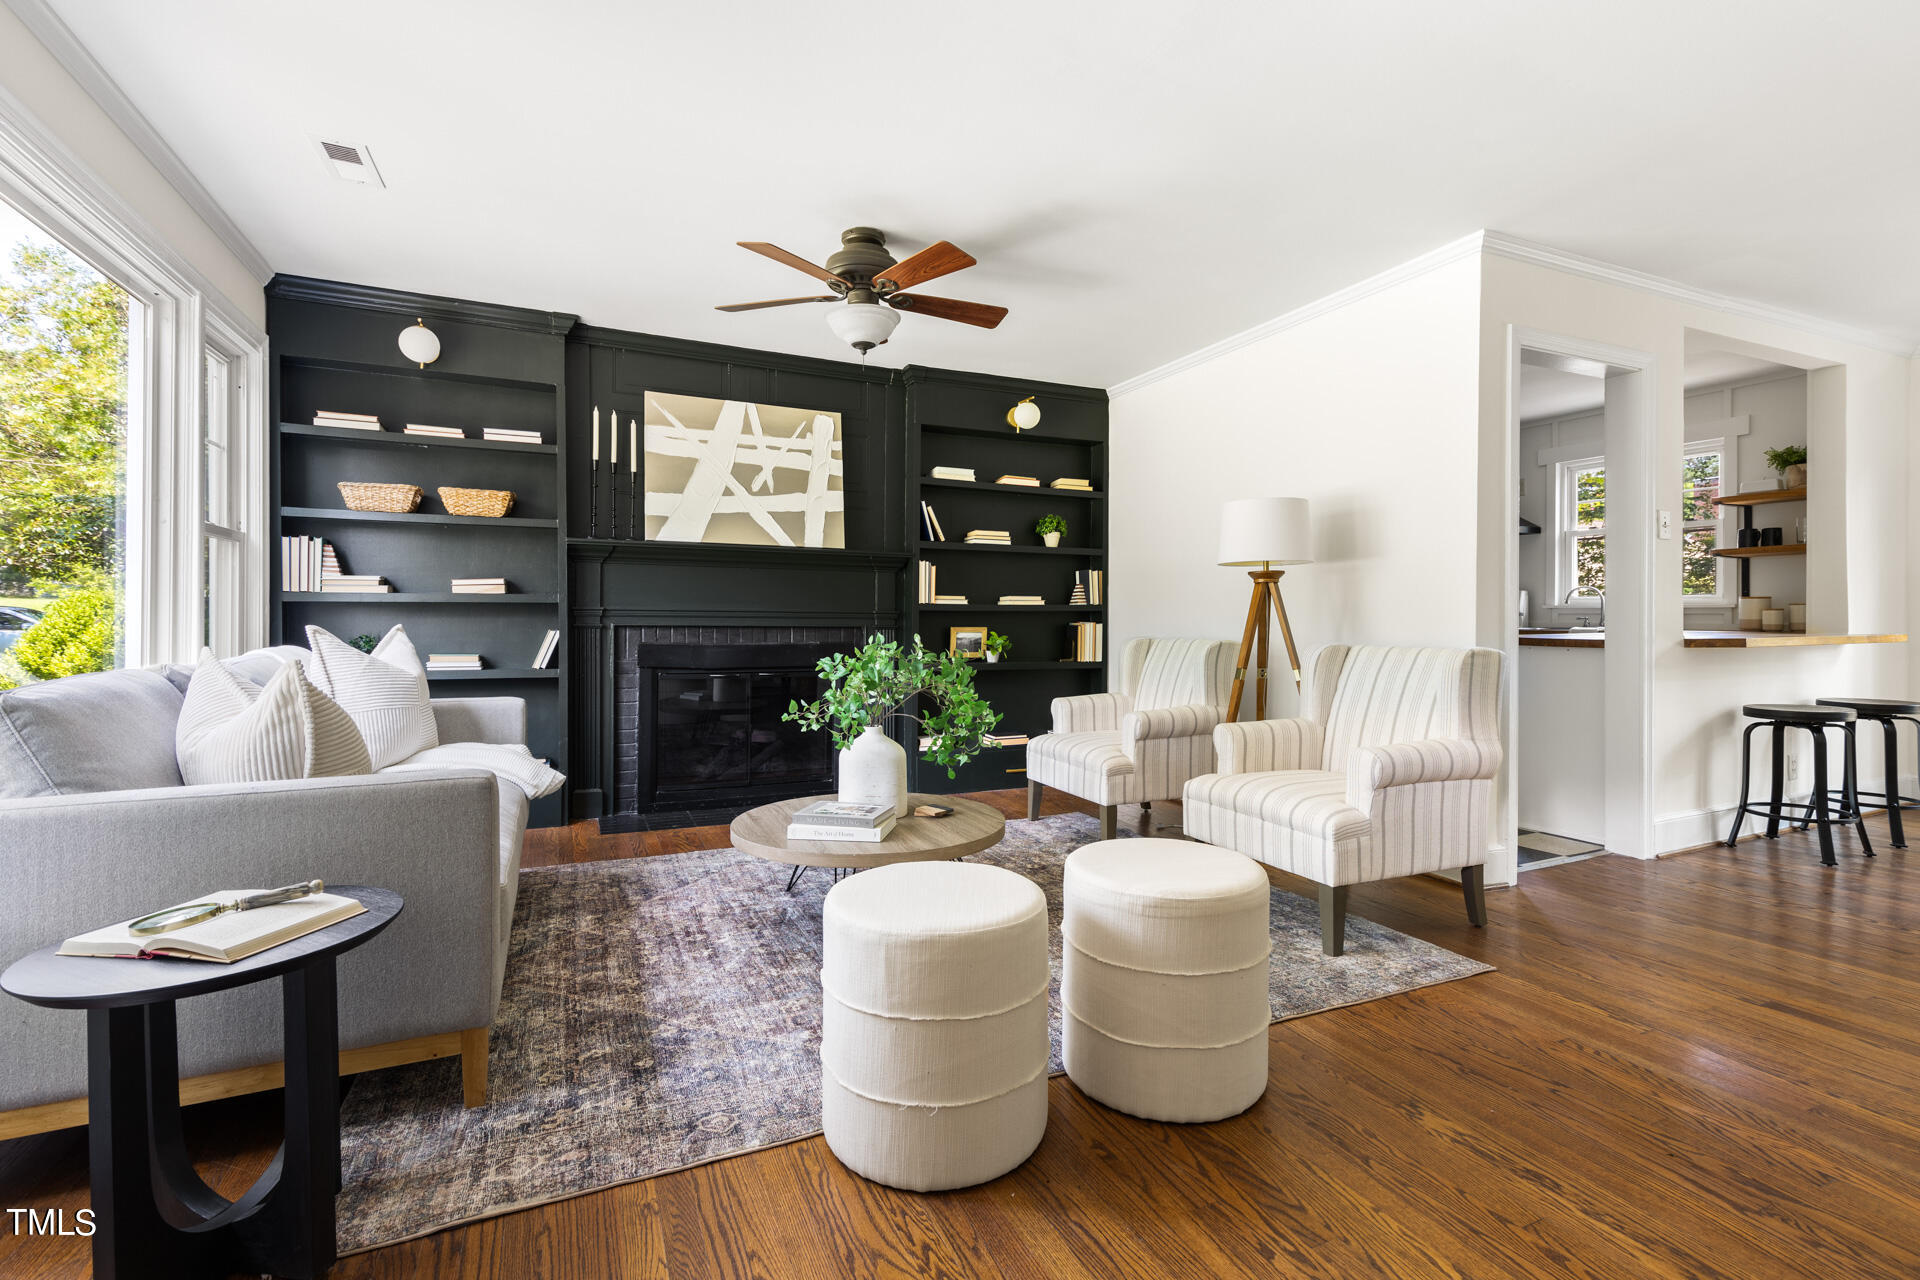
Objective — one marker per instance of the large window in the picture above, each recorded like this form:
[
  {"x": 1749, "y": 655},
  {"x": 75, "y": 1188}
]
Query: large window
[
  {"x": 1706, "y": 580},
  {"x": 1581, "y": 565},
  {"x": 64, "y": 499}
]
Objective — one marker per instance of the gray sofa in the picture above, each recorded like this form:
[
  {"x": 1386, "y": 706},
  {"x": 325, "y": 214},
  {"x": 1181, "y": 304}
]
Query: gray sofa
[{"x": 77, "y": 851}]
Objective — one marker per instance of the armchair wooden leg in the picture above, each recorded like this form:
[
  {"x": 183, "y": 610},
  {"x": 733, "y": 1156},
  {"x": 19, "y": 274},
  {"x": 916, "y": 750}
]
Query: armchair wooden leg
[
  {"x": 1333, "y": 919},
  {"x": 1473, "y": 883},
  {"x": 473, "y": 1065},
  {"x": 1033, "y": 798},
  {"x": 1109, "y": 821}
]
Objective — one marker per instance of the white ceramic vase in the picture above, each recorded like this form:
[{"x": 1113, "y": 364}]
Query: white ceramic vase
[
  {"x": 874, "y": 771},
  {"x": 993, "y": 657},
  {"x": 1051, "y": 539}
]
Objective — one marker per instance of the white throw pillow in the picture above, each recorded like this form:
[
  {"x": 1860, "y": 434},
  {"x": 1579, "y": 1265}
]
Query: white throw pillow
[
  {"x": 511, "y": 763},
  {"x": 384, "y": 691},
  {"x": 232, "y": 730}
]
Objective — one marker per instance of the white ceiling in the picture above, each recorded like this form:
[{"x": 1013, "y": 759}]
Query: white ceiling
[
  {"x": 1556, "y": 393},
  {"x": 1138, "y": 179}
]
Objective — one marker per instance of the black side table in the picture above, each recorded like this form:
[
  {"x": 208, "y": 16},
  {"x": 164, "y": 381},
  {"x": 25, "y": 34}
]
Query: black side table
[{"x": 153, "y": 1216}]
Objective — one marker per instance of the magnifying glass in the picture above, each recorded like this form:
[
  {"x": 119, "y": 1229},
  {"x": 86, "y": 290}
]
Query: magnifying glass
[{"x": 194, "y": 912}]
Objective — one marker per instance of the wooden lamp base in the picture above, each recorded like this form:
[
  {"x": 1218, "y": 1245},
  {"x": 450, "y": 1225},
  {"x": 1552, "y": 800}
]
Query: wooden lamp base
[{"x": 1265, "y": 606}]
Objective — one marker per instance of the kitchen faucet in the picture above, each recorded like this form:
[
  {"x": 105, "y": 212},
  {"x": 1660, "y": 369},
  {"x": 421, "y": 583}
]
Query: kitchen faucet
[{"x": 1601, "y": 596}]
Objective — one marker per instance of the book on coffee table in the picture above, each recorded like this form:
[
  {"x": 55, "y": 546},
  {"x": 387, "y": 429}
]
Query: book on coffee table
[
  {"x": 229, "y": 936},
  {"x": 861, "y": 835},
  {"x": 840, "y": 813}
]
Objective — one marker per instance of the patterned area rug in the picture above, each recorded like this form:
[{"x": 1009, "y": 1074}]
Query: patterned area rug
[{"x": 664, "y": 1012}]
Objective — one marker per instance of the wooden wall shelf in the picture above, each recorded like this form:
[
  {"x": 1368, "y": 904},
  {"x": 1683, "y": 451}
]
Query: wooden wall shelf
[
  {"x": 1764, "y": 497},
  {"x": 1780, "y": 639},
  {"x": 1749, "y": 553}
]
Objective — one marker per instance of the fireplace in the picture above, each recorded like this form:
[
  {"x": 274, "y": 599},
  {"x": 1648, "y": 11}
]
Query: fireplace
[{"x": 700, "y": 716}]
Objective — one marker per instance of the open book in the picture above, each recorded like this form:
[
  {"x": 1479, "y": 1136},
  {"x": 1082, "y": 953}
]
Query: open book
[{"x": 229, "y": 936}]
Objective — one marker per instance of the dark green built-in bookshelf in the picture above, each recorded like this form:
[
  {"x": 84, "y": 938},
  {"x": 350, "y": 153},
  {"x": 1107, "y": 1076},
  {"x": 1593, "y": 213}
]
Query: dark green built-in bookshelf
[
  {"x": 334, "y": 347},
  {"x": 959, "y": 420}
]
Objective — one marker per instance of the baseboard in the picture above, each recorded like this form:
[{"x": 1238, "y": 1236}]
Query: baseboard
[
  {"x": 1692, "y": 828},
  {"x": 49, "y": 1116}
]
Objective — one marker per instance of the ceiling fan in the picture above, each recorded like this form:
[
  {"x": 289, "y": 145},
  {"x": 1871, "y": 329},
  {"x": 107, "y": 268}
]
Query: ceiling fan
[{"x": 864, "y": 276}]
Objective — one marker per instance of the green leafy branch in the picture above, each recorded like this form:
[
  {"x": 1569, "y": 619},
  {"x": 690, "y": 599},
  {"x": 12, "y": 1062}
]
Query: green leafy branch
[{"x": 874, "y": 685}]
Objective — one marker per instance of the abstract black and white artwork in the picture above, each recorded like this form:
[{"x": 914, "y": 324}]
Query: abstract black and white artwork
[{"x": 737, "y": 472}]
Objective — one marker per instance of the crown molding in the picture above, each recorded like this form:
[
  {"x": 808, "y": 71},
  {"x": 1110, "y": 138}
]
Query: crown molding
[
  {"x": 66, "y": 48},
  {"x": 339, "y": 293},
  {"x": 1412, "y": 269},
  {"x": 1518, "y": 250}
]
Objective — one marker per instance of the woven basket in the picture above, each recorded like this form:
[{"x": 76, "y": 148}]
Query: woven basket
[
  {"x": 362, "y": 495},
  {"x": 477, "y": 502}
]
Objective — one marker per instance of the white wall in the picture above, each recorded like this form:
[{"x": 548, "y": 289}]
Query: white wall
[
  {"x": 1858, "y": 555},
  {"x": 37, "y": 80},
  {"x": 1368, "y": 411}
]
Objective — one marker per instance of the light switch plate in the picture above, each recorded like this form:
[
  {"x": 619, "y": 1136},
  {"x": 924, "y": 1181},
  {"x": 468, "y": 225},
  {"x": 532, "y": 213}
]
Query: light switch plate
[{"x": 1666, "y": 524}]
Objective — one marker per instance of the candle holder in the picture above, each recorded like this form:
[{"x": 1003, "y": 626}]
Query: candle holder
[{"x": 593, "y": 499}]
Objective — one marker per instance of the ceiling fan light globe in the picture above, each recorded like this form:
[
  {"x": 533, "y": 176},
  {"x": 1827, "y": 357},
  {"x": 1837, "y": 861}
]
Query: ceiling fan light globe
[{"x": 863, "y": 325}]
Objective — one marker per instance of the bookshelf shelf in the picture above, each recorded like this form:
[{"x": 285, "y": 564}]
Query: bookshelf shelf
[
  {"x": 959, "y": 420},
  {"x": 983, "y": 486},
  {"x": 346, "y": 435},
  {"x": 414, "y": 597},
  {"x": 1081, "y": 552},
  {"x": 504, "y": 368},
  {"x": 412, "y": 517}
]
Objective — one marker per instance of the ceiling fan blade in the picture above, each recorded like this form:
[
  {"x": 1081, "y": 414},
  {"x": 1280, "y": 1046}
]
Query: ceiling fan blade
[
  {"x": 978, "y": 313},
  {"x": 930, "y": 263},
  {"x": 793, "y": 260},
  {"x": 777, "y": 302}
]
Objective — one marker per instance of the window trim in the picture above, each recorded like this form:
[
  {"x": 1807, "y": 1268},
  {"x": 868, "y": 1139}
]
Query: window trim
[{"x": 176, "y": 315}]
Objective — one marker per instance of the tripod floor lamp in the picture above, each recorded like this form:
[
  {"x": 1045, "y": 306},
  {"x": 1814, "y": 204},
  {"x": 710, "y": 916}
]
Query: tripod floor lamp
[{"x": 1261, "y": 533}]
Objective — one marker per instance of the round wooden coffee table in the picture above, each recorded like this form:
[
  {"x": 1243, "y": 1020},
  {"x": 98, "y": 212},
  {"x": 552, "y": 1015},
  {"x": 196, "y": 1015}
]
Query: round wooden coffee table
[{"x": 971, "y": 827}]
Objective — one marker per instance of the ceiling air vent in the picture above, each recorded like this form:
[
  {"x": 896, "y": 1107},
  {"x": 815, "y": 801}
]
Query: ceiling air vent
[{"x": 350, "y": 161}]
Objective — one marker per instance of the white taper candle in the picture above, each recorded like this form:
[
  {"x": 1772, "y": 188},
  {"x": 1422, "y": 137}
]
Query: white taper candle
[
  {"x": 596, "y": 433},
  {"x": 633, "y": 446}
]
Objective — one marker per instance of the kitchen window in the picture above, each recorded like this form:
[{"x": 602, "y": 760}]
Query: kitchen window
[{"x": 1580, "y": 562}]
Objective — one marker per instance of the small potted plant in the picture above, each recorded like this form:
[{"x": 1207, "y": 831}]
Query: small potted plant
[
  {"x": 997, "y": 646},
  {"x": 1791, "y": 462},
  {"x": 1050, "y": 527},
  {"x": 871, "y": 687}
]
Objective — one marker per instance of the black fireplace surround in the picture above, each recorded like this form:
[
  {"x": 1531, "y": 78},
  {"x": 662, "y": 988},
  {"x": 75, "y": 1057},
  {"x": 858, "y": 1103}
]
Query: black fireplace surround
[{"x": 701, "y": 709}]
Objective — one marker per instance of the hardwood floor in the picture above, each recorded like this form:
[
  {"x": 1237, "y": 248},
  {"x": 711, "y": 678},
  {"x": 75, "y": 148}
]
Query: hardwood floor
[{"x": 1706, "y": 1066}]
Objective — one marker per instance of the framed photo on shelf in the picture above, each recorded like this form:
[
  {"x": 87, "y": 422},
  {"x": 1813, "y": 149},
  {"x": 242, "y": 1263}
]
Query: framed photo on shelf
[{"x": 968, "y": 643}]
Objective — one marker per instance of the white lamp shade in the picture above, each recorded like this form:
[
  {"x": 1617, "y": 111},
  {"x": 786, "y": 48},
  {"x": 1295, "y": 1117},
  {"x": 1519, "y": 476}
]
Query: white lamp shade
[
  {"x": 1025, "y": 416},
  {"x": 863, "y": 324},
  {"x": 1265, "y": 531},
  {"x": 419, "y": 344}
]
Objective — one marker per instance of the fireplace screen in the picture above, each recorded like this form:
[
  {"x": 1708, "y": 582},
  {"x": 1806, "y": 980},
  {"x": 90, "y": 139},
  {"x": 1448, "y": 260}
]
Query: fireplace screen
[{"x": 719, "y": 732}]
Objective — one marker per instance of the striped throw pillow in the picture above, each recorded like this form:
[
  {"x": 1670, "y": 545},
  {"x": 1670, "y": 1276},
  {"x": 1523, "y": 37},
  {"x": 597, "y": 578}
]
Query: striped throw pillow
[
  {"x": 232, "y": 730},
  {"x": 384, "y": 691}
]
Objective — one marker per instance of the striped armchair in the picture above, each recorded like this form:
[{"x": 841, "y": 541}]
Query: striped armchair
[
  {"x": 1142, "y": 743},
  {"x": 1390, "y": 774}
]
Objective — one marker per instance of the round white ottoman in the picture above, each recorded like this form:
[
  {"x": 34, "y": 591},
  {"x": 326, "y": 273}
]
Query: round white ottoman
[
  {"x": 933, "y": 1045},
  {"x": 1163, "y": 984}
]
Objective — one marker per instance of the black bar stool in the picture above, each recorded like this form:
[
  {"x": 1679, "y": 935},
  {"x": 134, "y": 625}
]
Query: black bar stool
[
  {"x": 1888, "y": 712},
  {"x": 1816, "y": 720}
]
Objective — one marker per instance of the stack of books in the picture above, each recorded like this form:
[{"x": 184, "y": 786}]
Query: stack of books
[
  {"x": 1023, "y": 599},
  {"x": 930, "y": 590},
  {"x": 351, "y": 421},
  {"x": 1089, "y": 586},
  {"x": 1025, "y": 481},
  {"x": 833, "y": 820},
  {"x": 1005, "y": 739},
  {"x": 952, "y": 473},
  {"x": 1079, "y": 595},
  {"x": 307, "y": 564},
  {"x": 544, "y": 658},
  {"x": 351, "y": 584},
  {"x": 930, "y": 529},
  {"x": 507, "y": 435},
  {"x": 1089, "y": 642},
  {"x": 989, "y": 538},
  {"x": 453, "y": 662},
  {"x": 1072, "y": 482},
  {"x": 479, "y": 586},
  {"x": 439, "y": 433}
]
